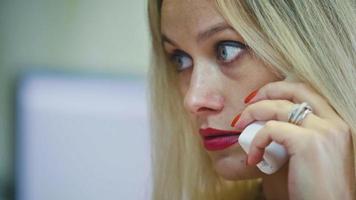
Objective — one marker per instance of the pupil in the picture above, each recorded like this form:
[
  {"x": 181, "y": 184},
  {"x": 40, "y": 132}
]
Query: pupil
[{"x": 224, "y": 53}]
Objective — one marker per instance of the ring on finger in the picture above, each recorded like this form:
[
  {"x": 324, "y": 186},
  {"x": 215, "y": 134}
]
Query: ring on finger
[{"x": 299, "y": 113}]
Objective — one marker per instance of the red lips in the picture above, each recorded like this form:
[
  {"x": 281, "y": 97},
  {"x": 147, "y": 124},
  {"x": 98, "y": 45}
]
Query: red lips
[{"x": 215, "y": 139}]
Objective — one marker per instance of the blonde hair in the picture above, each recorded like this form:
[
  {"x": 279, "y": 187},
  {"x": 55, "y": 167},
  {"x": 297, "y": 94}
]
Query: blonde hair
[{"x": 311, "y": 40}]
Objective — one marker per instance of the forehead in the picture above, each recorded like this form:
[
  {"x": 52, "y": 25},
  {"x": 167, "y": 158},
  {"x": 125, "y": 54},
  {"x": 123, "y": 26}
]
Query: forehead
[{"x": 189, "y": 16}]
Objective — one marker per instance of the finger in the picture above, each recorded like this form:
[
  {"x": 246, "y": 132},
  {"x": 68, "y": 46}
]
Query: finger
[
  {"x": 296, "y": 92},
  {"x": 266, "y": 110},
  {"x": 292, "y": 137}
]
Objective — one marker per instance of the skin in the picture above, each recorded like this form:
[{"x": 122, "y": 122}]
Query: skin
[{"x": 214, "y": 93}]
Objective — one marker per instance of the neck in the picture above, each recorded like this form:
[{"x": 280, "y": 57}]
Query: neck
[{"x": 275, "y": 186}]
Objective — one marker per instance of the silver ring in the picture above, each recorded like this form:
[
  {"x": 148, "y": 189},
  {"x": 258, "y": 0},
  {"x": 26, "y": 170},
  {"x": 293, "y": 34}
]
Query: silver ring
[{"x": 298, "y": 113}]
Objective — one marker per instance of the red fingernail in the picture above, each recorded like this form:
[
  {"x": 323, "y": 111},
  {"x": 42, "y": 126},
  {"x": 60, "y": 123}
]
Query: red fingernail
[
  {"x": 235, "y": 120},
  {"x": 250, "y": 96}
]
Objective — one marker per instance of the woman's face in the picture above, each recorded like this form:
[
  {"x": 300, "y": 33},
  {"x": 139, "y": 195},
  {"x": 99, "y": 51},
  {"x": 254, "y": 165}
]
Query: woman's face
[{"x": 216, "y": 72}]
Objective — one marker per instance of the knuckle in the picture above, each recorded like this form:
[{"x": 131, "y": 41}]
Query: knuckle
[
  {"x": 310, "y": 139},
  {"x": 344, "y": 127},
  {"x": 250, "y": 108},
  {"x": 269, "y": 87},
  {"x": 302, "y": 86},
  {"x": 333, "y": 130},
  {"x": 335, "y": 136},
  {"x": 328, "y": 129},
  {"x": 264, "y": 103},
  {"x": 256, "y": 106},
  {"x": 282, "y": 103},
  {"x": 271, "y": 124},
  {"x": 248, "y": 112},
  {"x": 337, "y": 133},
  {"x": 336, "y": 128}
]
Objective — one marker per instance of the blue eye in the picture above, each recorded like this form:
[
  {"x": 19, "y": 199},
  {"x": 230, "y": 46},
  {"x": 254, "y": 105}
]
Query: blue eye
[
  {"x": 181, "y": 60},
  {"x": 227, "y": 51}
]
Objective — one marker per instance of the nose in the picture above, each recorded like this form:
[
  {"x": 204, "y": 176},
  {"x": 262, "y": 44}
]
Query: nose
[{"x": 204, "y": 95}]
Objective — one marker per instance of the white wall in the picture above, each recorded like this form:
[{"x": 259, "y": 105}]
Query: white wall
[{"x": 110, "y": 34}]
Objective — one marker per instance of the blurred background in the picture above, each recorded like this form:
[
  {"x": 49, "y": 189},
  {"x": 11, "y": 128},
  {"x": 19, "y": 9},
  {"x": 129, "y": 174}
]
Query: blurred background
[{"x": 73, "y": 113}]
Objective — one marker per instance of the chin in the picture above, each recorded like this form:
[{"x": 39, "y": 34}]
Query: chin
[{"x": 232, "y": 166}]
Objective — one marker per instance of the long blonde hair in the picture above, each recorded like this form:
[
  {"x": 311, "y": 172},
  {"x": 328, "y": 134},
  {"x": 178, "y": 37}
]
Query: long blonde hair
[{"x": 311, "y": 40}]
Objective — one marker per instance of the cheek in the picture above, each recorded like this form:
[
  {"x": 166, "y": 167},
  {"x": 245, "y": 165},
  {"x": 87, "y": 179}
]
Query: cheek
[
  {"x": 251, "y": 73},
  {"x": 184, "y": 82},
  {"x": 260, "y": 72}
]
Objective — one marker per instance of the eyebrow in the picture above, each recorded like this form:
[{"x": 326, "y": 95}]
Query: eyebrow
[{"x": 204, "y": 34}]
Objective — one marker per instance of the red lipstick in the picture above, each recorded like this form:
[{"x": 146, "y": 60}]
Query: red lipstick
[{"x": 215, "y": 139}]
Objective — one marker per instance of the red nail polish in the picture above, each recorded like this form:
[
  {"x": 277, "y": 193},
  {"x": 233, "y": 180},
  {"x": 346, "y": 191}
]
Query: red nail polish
[
  {"x": 250, "y": 96},
  {"x": 235, "y": 120}
]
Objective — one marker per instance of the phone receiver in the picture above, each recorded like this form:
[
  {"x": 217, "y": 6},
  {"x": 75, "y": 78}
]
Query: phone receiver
[{"x": 275, "y": 155}]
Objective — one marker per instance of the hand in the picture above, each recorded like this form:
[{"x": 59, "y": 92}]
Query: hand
[{"x": 320, "y": 149}]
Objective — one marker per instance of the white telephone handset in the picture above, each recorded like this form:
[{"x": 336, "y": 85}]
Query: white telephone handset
[{"x": 275, "y": 155}]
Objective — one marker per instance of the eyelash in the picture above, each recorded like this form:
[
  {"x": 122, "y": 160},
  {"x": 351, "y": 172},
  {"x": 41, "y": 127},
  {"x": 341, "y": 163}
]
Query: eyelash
[
  {"x": 235, "y": 44},
  {"x": 175, "y": 56}
]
